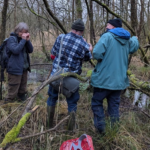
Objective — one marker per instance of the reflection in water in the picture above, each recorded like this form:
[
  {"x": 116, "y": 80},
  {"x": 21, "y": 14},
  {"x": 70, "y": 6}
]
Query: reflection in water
[
  {"x": 141, "y": 99},
  {"x": 37, "y": 75}
]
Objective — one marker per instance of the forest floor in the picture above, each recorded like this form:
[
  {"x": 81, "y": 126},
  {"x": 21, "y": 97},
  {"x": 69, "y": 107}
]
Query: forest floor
[{"x": 133, "y": 132}]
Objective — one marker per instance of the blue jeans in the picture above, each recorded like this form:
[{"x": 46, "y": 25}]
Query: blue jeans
[
  {"x": 113, "y": 100},
  {"x": 71, "y": 101}
]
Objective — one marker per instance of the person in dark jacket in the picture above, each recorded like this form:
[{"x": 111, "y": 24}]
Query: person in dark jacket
[{"x": 18, "y": 48}]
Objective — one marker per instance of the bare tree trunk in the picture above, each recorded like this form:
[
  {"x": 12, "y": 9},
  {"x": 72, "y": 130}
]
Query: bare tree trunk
[
  {"x": 126, "y": 13},
  {"x": 113, "y": 5},
  {"x": 53, "y": 16},
  {"x": 3, "y": 32},
  {"x": 72, "y": 10},
  {"x": 148, "y": 20},
  {"x": 15, "y": 13},
  {"x": 141, "y": 18},
  {"x": 39, "y": 24},
  {"x": 3, "y": 24},
  {"x": 134, "y": 14},
  {"x": 78, "y": 9},
  {"x": 56, "y": 30},
  {"x": 107, "y": 11},
  {"x": 92, "y": 33},
  {"x": 121, "y": 7}
]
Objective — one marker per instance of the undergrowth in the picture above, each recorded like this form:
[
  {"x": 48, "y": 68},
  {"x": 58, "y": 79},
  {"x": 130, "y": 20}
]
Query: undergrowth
[{"x": 131, "y": 133}]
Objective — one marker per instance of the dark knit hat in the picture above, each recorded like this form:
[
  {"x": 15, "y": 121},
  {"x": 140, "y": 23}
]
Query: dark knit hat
[
  {"x": 78, "y": 25},
  {"x": 115, "y": 22}
]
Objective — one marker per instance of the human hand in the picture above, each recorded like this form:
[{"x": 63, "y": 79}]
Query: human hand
[
  {"x": 84, "y": 39},
  {"x": 23, "y": 36},
  {"x": 26, "y": 36},
  {"x": 91, "y": 47}
]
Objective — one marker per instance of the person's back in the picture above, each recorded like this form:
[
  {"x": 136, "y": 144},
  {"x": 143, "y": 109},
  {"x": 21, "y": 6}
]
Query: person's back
[
  {"x": 110, "y": 74},
  {"x": 74, "y": 51}
]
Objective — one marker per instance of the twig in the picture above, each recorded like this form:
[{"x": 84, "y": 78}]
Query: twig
[
  {"x": 30, "y": 136},
  {"x": 145, "y": 113},
  {"x": 41, "y": 64},
  {"x": 34, "y": 109},
  {"x": 147, "y": 46},
  {"x": 137, "y": 109},
  {"x": 12, "y": 113}
]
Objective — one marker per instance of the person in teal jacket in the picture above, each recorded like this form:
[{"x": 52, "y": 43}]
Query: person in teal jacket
[{"x": 109, "y": 77}]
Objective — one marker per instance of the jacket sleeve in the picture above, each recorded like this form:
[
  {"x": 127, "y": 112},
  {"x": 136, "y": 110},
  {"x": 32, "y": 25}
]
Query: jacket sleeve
[
  {"x": 100, "y": 48},
  {"x": 88, "y": 54},
  {"x": 134, "y": 44},
  {"x": 29, "y": 47},
  {"x": 55, "y": 49},
  {"x": 15, "y": 47}
]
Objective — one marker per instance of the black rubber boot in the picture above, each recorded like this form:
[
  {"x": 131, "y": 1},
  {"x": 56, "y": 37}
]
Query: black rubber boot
[
  {"x": 22, "y": 97},
  {"x": 71, "y": 121},
  {"x": 50, "y": 114}
]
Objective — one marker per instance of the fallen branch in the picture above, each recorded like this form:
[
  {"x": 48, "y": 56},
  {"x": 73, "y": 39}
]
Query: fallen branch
[
  {"x": 47, "y": 6},
  {"x": 147, "y": 46},
  {"x": 34, "y": 109},
  {"x": 52, "y": 129},
  {"x": 144, "y": 86},
  {"x": 51, "y": 79},
  {"x": 136, "y": 109},
  {"x": 145, "y": 113},
  {"x": 11, "y": 136},
  {"x": 41, "y": 64}
]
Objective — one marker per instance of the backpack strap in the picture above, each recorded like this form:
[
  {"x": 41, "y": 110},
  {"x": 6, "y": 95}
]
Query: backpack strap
[
  {"x": 16, "y": 40},
  {"x": 14, "y": 37},
  {"x": 60, "y": 50}
]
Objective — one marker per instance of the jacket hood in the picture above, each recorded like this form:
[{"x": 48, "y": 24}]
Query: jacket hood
[
  {"x": 120, "y": 35},
  {"x": 13, "y": 34}
]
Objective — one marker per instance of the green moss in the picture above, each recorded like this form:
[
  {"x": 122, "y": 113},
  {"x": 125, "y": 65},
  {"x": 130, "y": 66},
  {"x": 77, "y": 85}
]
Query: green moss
[
  {"x": 132, "y": 76},
  {"x": 89, "y": 73},
  {"x": 141, "y": 82},
  {"x": 11, "y": 136},
  {"x": 128, "y": 72},
  {"x": 64, "y": 74}
]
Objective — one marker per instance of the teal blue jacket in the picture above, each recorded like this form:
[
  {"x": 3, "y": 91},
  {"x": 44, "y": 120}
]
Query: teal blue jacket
[{"x": 112, "y": 52}]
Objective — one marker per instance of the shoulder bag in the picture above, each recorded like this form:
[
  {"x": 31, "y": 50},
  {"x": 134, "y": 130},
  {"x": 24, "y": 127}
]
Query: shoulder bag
[{"x": 67, "y": 85}]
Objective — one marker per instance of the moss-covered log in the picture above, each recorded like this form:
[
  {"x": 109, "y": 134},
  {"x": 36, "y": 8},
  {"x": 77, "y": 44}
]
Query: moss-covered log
[
  {"x": 51, "y": 79},
  {"x": 142, "y": 85},
  {"x": 11, "y": 136}
]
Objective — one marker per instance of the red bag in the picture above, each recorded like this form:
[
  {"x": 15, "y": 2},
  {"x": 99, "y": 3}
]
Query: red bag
[{"x": 84, "y": 142}]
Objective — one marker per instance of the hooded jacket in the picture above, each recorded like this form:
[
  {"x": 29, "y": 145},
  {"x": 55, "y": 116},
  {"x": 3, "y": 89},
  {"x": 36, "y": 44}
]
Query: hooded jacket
[
  {"x": 112, "y": 52},
  {"x": 15, "y": 50}
]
